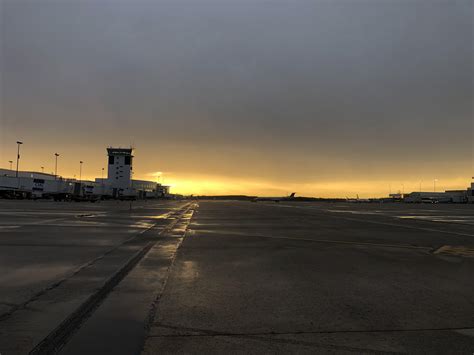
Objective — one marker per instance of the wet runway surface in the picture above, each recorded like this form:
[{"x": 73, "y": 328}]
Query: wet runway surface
[
  {"x": 238, "y": 277},
  {"x": 300, "y": 278},
  {"x": 55, "y": 256}
]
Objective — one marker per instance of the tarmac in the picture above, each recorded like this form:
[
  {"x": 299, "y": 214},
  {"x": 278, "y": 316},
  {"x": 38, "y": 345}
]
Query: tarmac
[{"x": 194, "y": 277}]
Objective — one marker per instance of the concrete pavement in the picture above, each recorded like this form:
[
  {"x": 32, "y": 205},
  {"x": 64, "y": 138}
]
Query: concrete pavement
[
  {"x": 56, "y": 256},
  {"x": 298, "y": 278},
  {"x": 236, "y": 277}
]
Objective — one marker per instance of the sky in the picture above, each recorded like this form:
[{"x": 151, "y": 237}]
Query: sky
[{"x": 325, "y": 98}]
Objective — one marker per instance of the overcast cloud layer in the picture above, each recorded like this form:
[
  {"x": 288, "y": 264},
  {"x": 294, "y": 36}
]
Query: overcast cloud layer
[{"x": 305, "y": 93}]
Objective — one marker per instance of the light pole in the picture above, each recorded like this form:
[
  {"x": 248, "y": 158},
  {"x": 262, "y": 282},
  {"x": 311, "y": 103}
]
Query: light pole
[
  {"x": 420, "y": 185},
  {"x": 18, "y": 156},
  {"x": 102, "y": 180},
  {"x": 56, "y": 166},
  {"x": 80, "y": 170},
  {"x": 11, "y": 163},
  {"x": 434, "y": 184},
  {"x": 42, "y": 169}
]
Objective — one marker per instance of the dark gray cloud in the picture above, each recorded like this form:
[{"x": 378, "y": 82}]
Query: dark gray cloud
[{"x": 362, "y": 84}]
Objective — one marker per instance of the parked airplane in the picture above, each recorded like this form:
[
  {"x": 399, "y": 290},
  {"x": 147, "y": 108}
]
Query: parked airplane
[
  {"x": 357, "y": 200},
  {"x": 276, "y": 199}
]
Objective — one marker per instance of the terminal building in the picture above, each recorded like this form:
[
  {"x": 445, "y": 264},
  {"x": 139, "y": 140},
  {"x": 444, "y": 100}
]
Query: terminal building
[
  {"x": 118, "y": 184},
  {"x": 454, "y": 196},
  {"x": 449, "y": 196}
]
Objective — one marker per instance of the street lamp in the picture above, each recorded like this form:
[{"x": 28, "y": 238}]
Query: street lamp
[
  {"x": 434, "y": 184},
  {"x": 80, "y": 170},
  {"x": 18, "y": 156},
  {"x": 42, "y": 169},
  {"x": 11, "y": 163},
  {"x": 102, "y": 180},
  {"x": 56, "y": 166}
]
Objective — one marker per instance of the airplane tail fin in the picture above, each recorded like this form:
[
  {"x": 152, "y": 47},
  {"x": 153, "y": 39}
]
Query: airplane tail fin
[{"x": 293, "y": 194}]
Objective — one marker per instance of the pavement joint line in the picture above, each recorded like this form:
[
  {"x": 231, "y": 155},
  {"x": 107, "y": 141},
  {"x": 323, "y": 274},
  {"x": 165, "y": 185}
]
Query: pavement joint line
[
  {"x": 272, "y": 338},
  {"x": 56, "y": 339},
  {"x": 404, "y": 246},
  {"x": 207, "y": 332},
  {"x": 23, "y": 305},
  {"x": 319, "y": 345},
  {"x": 154, "y": 306}
]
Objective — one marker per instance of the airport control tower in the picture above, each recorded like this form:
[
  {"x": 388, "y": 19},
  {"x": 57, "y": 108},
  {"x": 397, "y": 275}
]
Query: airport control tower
[{"x": 119, "y": 175}]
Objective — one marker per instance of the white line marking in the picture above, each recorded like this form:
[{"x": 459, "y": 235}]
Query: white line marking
[{"x": 386, "y": 223}]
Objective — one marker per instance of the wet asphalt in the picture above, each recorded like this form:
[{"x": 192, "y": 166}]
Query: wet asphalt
[
  {"x": 240, "y": 277},
  {"x": 309, "y": 278}
]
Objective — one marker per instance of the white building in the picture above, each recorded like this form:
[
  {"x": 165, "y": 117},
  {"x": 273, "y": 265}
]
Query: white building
[
  {"x": 35, "y": 184},
  {"x": 455, "y": 196},
  {"x": 119, "y": 173},
  {"x": 118, "y": 184}
]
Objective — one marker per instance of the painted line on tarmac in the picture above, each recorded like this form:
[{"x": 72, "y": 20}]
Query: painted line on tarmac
[
  {"x": 23, "y": 213},
  {"x": 409, "y": 227},
  {"x": 44, "y": 222},
  {"x": 32, "y": 223},
  {"x": 56, "y": 245},
  {"x": 383, "y": 223},
  {"x": 440, "y": 219},
  {"x": 455, "y": 250}
]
